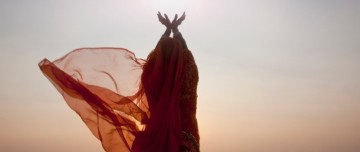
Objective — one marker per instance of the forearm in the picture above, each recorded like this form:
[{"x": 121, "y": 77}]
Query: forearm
[
  {"x": 166, "y": 33},
  {"x": 177, "y": 35}
]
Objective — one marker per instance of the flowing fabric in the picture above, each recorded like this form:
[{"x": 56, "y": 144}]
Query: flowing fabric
[
  {"x": 91, "y": 83},
  {"x": 131, "y": 104}
]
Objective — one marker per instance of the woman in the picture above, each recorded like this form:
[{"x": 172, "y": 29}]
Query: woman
[{"x": 131, "y": 104}]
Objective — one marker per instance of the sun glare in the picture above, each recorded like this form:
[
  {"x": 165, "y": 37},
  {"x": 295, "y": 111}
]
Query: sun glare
[{"x": 170, "y": 6}]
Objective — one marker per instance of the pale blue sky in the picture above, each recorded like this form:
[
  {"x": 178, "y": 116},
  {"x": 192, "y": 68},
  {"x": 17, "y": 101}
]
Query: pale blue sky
[{"x": 275, "y": 75}]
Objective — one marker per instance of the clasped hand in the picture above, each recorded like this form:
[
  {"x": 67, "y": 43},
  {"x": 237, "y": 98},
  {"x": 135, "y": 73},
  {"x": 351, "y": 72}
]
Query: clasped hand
[{"x": 171, "y": 25}]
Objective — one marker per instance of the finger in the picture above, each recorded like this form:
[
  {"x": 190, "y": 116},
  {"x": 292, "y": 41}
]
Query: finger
[
  {"x": 167, "y": 18},
  {"x": 160, "y": 18},
  {"x": 182, "y": 17},
  {"x": 175, "y": 18},
  {"x": 159, "y": 15}
]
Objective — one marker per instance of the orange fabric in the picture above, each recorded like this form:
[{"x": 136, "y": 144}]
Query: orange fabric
[{"x": 130, "y": 104}]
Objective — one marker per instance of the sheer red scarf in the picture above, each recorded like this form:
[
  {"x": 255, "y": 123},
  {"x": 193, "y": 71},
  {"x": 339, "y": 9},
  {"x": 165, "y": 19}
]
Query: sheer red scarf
[{"x": 116, "y": 94}]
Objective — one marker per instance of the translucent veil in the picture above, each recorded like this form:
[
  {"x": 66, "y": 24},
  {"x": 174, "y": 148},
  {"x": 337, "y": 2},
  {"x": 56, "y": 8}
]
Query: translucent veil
[
  {"x": 94, "y": 84},
  {"x": 106, "y": 87}
]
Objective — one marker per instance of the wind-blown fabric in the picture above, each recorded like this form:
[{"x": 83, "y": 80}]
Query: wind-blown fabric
[{"x": 131, "y": 104}]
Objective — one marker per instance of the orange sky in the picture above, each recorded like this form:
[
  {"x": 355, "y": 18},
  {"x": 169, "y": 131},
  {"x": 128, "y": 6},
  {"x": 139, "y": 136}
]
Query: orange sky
[{"x": 275, "y": 76}]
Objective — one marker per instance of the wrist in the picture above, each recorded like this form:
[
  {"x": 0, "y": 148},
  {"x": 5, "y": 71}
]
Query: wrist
[
  {"x": 167, "y": 32},
  {"x": 175, "y": 30},
  {"x": 176, "y": 34}
]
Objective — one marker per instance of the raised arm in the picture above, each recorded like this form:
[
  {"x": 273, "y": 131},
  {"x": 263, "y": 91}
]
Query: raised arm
[
  {"x": 174, "y": 26},
  {"x": 166, "y": 22}
]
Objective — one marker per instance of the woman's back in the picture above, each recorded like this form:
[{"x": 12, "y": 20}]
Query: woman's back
[{"x": 131, "y": 104}]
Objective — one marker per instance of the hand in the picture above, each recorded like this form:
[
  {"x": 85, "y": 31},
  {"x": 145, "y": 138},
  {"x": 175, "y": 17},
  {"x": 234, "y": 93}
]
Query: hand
[
  {"x": 165, "y": 21},
  {"x": 176, "y": 22}
]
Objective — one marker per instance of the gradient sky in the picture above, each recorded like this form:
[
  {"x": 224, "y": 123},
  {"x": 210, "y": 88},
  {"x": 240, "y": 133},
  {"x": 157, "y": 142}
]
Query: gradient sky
[{"x": 275, "y": 75}]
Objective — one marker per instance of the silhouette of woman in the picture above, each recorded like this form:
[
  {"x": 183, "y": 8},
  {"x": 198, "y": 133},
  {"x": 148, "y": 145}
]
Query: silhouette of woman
[{"x": 131, "y": 104}]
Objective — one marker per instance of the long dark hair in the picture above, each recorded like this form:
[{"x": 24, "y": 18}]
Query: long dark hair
[{"x": 161, "y": 81}]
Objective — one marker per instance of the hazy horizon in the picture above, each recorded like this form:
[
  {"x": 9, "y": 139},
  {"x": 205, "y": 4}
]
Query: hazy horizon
[{"x": 275, "y": 75}]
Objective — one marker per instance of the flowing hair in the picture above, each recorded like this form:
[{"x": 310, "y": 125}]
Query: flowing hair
[{"x": 161, "y": 81}]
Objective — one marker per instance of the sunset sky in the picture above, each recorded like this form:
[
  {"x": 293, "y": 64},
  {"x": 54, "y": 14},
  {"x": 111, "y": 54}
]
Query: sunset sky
[{"x": 275, "y": 75}]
